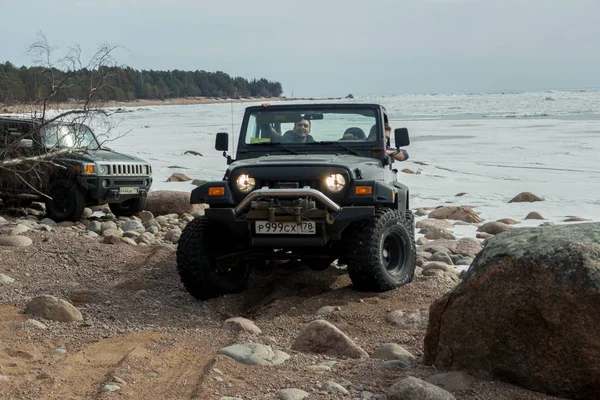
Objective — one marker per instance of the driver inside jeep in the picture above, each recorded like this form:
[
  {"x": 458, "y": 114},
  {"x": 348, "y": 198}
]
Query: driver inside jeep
[{"x": 300, "y": 133}]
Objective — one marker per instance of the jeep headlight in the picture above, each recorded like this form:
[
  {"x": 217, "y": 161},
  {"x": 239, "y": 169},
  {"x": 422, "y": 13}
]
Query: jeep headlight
[
  {"x": 335, "y": 182},
  {"x": 245, "y": 183}
]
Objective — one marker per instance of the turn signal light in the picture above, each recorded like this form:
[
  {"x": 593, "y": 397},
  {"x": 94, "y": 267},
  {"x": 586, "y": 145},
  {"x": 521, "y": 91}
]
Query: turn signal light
[
  {"x": 363, "y": 190},
  {"x": 216, "y": 191}
]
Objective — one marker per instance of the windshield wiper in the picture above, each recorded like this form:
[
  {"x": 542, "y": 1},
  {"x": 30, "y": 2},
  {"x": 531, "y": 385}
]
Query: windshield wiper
[
  {"x": 278, "y": 146},
  {"x": 348, "y": 149}
]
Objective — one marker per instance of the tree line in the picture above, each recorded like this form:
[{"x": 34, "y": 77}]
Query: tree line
[{"x": 20, "y": 85}]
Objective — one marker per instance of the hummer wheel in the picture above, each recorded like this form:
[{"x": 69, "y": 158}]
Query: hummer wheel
[
  {"x": 67, "y": 201},
  {"x": 381, "y": 252},
  {"x": 128, "y": 207},
  {"x": 205, "y": 268}
]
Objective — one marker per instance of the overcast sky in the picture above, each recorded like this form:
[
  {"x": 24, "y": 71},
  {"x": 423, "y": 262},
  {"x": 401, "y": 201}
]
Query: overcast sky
[{"x": 331, "y": 48}]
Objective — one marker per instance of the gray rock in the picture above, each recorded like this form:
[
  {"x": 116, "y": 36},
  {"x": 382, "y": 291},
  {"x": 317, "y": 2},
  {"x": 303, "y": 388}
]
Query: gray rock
[
  {"x": 13, "y": 230},
  {"x": 110, "y": 388},
  {"x": 323, "y": 337},
  {"x": 333, "y": 387},
  {"x": 129, "y": 241},
  {"x": 35, "y": 324},
  {"x": 15, "y": 241},
  {"x": 443, "y": 257},
  {"x": 325, "y": 310},
  {"x": 525, "y": 197},
  {"x": 529, "y": 306},
  {"x": 241, "y": 324},
  {"x": 108, "y": 225},
  {"x": 429, "y": 265},
  {"x": 292, "y": 394},
  {"x": 452, "y": 381},
  {"x": 94, "y": 226},
  {"x": 131, "y": 234},
  {"x": 87, "y": 212},
  {"x": 51, "y": 308},
  {"x": 465, "y": 261},
  {"x": 112, "y": 232},
  {"x": 173, "y": 235},
  {"x": 146, "y": 238},
  {"x": 254, "y": 354},
  {"x": 534, "y": 215},
  {"x": 3, "y": 221},
  {"x": 412, "y": 388},
  {"x": 153, "y": 230},
  {"x": 49, "y": 222},
  {"x": 409, "y": 319},
  {"x": 461, "y": 213},
  {"x": 145, "y": 216},
  {"x": 392, "y": 351},
  {"x": 60, "y": 350},
  {"x": 432, "y": 233},
  {"x": 6, "y": 280},
  {"x": 493, "y": 228},
  {"x": 421, "y": 212},
  {"x": 394, "y": 364},
  {"x": 432, "y": 249},
  {"x": 133, "y": 225},
  {"x": 433, "y": 223}
]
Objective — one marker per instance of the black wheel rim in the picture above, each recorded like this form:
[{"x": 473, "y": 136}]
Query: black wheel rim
[
  {"x": 392, "y": 253},
  {"x": 231, "y": 269}
]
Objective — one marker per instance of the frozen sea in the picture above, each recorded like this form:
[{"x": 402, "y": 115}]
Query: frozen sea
[{"x": 491, "y": 146}]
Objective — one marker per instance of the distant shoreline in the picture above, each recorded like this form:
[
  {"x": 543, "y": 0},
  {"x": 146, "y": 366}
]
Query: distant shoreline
[{"x": 23, "y": 108}]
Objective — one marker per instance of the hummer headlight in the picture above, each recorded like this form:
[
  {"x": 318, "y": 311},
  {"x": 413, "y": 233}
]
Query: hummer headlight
[
  {"x": 245, "y": 183},
  {"x": 335, "y": 182},
  {"x": 103, "y": 169}
]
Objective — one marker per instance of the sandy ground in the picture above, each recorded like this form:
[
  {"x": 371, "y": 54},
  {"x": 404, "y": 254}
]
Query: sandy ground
[{"x": 143, "y": 332}]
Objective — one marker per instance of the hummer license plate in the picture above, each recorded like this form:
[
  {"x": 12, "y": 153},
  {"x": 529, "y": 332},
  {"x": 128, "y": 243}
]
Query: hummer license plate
[
  {"x": 285, "y": 228},
  {"x": 129, "y": 190}
]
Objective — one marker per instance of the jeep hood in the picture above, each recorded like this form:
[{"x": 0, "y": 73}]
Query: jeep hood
[{"x": 307, "y": 159}]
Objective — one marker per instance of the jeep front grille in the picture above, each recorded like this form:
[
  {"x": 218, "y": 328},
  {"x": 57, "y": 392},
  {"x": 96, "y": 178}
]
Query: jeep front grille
[{"x": 122, "y": 169}]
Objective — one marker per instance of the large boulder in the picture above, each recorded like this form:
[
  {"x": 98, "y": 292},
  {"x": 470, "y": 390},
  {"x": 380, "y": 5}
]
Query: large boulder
[
  {"x": 527, "y": 311},
  {"x": 163, "y": 202}
]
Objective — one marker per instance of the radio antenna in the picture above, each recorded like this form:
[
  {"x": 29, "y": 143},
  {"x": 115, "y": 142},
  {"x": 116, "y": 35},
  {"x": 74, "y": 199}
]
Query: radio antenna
[{"x": 232, "y": 130}]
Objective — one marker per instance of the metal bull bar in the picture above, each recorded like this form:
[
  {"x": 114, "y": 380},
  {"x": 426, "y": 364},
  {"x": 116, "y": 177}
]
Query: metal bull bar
[{"x": 305, "y": 191}]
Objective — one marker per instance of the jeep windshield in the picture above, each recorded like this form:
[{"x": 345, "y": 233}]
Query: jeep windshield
[
  {"x": 344, "y": 128},
  {"x": 69, "y": 136}
]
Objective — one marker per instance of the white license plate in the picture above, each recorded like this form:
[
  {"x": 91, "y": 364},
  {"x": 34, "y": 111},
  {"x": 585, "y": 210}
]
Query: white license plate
[
  {"x": 129, "y": 190},
  {"x": 285, "y": 228}
]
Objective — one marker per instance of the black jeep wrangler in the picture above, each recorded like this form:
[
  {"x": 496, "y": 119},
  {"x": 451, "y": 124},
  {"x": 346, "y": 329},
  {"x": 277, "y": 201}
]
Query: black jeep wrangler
[
  {"x": 72, "y": 170},
  {"x": 310, "y": 183}
]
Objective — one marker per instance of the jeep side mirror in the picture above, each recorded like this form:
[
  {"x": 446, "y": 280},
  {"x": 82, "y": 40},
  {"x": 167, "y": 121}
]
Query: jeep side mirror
[
  {"x": 222, "y": 141},
  {"x": 26, "y": 143},
  {"x": 401, "y": 137}
]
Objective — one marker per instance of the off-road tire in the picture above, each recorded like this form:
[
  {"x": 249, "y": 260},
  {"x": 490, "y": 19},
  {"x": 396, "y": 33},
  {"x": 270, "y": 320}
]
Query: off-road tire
[
  {"x": 128, "y": 207},
  {"x": 381, "y": 252},
  {"x": 409, "y": 221},
  {"x": 200, "y": 244},
  {"x": 67, "y": 203}
]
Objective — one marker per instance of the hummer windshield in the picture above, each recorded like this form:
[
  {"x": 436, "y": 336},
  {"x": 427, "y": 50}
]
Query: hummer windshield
[
  {"x": 348, "y": 126},
  {"x": 69, "y": 136}
]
